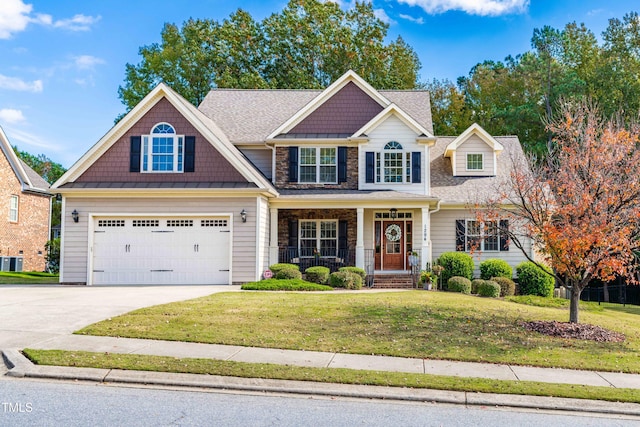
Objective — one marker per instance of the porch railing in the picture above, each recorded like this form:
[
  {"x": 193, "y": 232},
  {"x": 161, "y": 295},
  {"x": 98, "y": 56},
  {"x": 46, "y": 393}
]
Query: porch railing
[{"x": 342, "y": 258}]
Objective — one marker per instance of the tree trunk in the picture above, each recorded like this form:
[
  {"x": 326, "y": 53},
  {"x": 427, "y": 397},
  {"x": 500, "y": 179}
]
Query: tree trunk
[
  {"x": 575, "y": 303},
  {"x": 605, "y": 293}
]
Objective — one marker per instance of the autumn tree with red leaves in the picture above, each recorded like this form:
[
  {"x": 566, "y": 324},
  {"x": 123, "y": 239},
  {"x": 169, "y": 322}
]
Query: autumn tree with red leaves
[{"x": 581, "y": 208}]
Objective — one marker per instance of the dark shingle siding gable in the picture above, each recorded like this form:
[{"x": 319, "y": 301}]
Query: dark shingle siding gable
[{"x": 344, "y": 113}]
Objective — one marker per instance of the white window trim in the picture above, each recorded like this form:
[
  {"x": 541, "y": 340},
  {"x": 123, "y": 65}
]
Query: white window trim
[
  {"x": 318, "y": 165},
  {"x": 14, "y": 208},
  {"x": 147, "y": 141},
  {"x": 318, "y": 237},
  {"x": 466, "y": 163},
  {"x": 482, "y": 236},
  {"x": 407, "y": 166}
]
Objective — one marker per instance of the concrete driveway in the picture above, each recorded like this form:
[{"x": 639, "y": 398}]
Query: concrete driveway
[{"x": 30, "y": 315}]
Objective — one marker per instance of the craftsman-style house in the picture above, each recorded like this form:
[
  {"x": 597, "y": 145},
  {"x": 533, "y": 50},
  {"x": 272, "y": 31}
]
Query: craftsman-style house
[
  {"x": 349, "y": 175},
  {"x": 25, "y": 206}
]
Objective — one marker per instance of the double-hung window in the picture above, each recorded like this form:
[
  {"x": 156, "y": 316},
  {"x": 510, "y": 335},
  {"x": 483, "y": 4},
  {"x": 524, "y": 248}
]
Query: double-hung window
[
  {"x": 318, "y": 165},
  {"x": 13, "y": 209},
  {"x": 393, "y": 165},
  {"x": 318, "y": 237},
  {"x": 482, "y": 236},
  {"x": 163, "y": 150},
  {"x": 475, "y": 161}
]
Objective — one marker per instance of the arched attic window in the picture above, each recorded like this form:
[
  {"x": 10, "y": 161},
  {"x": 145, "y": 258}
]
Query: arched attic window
[{"x": 162, "y": 150}]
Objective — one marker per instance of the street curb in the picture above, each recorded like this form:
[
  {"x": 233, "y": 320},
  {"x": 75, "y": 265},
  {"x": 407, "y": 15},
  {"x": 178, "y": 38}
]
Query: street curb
[{"x": 21, "y": 367}]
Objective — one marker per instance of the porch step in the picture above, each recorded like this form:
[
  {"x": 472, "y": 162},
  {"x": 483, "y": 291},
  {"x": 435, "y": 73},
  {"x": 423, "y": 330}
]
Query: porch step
[{"x": 393, "y": 281}]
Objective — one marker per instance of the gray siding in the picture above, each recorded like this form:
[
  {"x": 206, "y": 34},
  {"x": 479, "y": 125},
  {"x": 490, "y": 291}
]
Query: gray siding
[
  {"x": 443, "y": 239},
  {"x": 75, "y": 256},
  {"x": 475, "y": 145},
  {"x": 261, "y": 158}
]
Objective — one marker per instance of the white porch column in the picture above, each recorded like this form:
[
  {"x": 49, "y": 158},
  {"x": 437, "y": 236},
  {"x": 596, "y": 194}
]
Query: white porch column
[
  {"x": 360, "y": 238},
  {"x": 273, "y": 236},
  {"x": 425, "y": 247}
]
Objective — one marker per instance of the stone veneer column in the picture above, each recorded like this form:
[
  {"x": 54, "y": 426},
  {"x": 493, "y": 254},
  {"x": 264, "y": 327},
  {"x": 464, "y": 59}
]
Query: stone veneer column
[
  {"x": 360, "y": 238},
  {"x": 273, "y": 236}
]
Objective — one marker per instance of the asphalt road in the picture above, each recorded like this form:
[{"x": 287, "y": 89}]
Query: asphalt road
[{"x": 39, "y": 403}]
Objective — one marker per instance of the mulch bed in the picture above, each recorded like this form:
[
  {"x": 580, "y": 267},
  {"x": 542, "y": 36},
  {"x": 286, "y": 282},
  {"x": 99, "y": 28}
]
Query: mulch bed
[{"x": 579, "y": 331}]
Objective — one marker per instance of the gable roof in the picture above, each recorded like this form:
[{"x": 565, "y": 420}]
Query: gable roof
[
  {"x": 393, "y": 109},
  {"x": 461, "y": 190},
  {"x": 203, "y": 124},
  {"x": 29, "y": 179},
  {"x": 250, "y": 116},
  {"x": 474, "y": 129}
]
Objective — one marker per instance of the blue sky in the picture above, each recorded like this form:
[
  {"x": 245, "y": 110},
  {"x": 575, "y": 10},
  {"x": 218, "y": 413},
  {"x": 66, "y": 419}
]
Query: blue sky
[{"x": 63, "y": 60}]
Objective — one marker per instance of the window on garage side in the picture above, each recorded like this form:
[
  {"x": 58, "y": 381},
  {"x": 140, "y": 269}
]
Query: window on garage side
[
  {"x": 163, "y": 150},
  {"x": 13, "y": 208}
]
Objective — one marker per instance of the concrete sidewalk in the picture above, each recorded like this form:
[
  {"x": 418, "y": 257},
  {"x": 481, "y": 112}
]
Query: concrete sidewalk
[{"x": 339, "y": 360}]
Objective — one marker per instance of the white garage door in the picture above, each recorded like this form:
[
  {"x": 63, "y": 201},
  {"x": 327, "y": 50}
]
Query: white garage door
[{"x": 161, "y": 250}]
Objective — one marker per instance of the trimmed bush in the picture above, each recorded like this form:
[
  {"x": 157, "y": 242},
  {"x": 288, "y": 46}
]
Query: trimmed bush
[
  {"x": 475, "y": 283},
  {"x": 455, "y": 264},
  {"x": 357, "y": 270},
  {"x": 277, "y": 267},
  {"x": 288, "y": 273},
  {"x": 495, "y": 267},
  {"x": 533, "y": 280},
  {"x": 284, "y": 285},
  {"x": 345, "y": 279},
  {"x": 317, "y": 274},
  {"x": 507, "y": 286},
  {"x": 489, "y": 288},
  {"x": 459, "y": 284}
]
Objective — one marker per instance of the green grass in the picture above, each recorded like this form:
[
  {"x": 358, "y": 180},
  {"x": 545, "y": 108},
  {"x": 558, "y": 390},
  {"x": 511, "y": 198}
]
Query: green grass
[
  {"x": 330, "y": 375},
  {"x": 284, "y": 285},
  {"x": 27, "y": 278},
  {"x": 437, "y": 325}
]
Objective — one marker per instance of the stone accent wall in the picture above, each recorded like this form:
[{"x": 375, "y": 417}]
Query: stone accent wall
[
  {"x": 286, "y": 215},
  {"x": 113, "y": 165},
  {"x": 282, "y": 172},
  {"x": 27, "y": 237}
]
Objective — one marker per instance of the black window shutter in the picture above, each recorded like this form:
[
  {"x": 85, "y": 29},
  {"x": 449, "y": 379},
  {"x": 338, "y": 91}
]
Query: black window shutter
[
  {"x": 293, "y": 164},
  {"x": 343, "y": 226},
  {"x": 293, "y": 233},
  {"x": 416, "y": 172},
  {"x": 342, "y": 164},
  {"x": 189, "y": 153},
  {"x": 460, "y": 234},
  {"x": 370, "y": 166},
  {"x": 504, "y": 235},
  {"x": 134, "y": 155}
]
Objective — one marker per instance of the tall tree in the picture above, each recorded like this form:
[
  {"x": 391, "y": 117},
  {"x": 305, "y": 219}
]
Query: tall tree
[
  {"x": 581, "y": 208},
  {"x": 309, "y": 44}
]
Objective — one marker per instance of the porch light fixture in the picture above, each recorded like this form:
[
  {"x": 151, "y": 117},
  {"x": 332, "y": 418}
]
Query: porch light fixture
[
  {"x": 243, "y": 215},
  {"x": 75, "y": 215},
  {"x": 394, "y": 213}
]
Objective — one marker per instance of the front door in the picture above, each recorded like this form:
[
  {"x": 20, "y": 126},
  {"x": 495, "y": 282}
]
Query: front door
[{"x": 393, "y": 245}]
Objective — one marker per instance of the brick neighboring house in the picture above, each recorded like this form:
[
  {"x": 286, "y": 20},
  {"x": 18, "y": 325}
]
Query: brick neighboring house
[
  {"x": 25, "y": 211},
  {"x": 345, "y": 176}
]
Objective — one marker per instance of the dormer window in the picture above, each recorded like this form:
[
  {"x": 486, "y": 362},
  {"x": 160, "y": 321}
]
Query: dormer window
[
  {"x": 475, "y": 161},
  {"x": 162, "y": 150}
]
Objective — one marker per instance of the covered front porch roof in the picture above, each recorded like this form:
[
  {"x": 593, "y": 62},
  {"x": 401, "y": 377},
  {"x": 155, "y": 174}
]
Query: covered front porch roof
[{"x": 336, "y": 198}]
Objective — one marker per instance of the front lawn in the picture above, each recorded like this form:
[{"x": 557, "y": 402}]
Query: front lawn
[
  {"x": 437, "y": 325},
  {"x": 27, "y": 278}
]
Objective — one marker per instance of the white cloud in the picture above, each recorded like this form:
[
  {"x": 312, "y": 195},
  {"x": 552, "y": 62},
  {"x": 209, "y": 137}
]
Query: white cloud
[
  {"x": 10, "y": 115},
  {"x": 15, "y": 15},
  {"x": 17, "y": 135},
  {"x": 77, "y": 23},
  {"x": 412, "y": 19},
  {"x": 14, "y": 83},
  {"x": 382, "y": 15},
  {"x": 472, "y": 7},
  {"x": 87, "y": 62}
]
